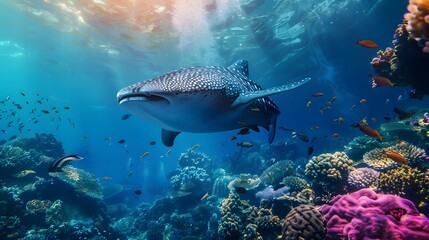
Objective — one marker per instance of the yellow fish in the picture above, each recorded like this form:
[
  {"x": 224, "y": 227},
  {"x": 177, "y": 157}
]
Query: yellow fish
[
  {"x": 195, "y": 146},
  {"x": 204, "y": 196},
  {"x": 308, "y": 104},
  {"x": 24, "y": 173},
  {"x": 168, "y": 152}
]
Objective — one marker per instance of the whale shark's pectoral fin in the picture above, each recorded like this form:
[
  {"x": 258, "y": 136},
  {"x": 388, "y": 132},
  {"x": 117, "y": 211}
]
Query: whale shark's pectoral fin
[
  {"x": 247, "y": 97},
  {"x": 254, "y": 128},
  {"x": 168, "y": 137}
]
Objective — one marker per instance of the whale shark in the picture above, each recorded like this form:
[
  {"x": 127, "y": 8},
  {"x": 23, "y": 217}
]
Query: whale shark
[{"x": 204, "y": 99}]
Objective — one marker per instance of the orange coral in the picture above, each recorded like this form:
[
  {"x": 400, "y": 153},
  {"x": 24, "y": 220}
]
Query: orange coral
[{"x": 418, "y": 20}]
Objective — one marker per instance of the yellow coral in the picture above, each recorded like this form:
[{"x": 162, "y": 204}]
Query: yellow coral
[{"x": 418, "y": 20}]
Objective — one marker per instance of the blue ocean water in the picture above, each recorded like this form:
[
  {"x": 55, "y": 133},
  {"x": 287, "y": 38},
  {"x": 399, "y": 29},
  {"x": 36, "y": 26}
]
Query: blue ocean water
[{"x": 70, "y": 58}]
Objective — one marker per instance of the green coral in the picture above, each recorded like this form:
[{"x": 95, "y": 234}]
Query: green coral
[
  {"x": 275, "y": 173},
  {"x": 295, "y": 183},
  {"x": 329, "y": 167}
]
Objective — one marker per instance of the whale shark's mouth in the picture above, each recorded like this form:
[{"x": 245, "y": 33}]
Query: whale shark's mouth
[{"x": 139, "y": 97}]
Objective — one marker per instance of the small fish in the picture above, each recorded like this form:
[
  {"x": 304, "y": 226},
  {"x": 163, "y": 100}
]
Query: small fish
[
  {"x": 303, "y": 137},
  {"x": 233, "y": 138},
  {"x": 403, "y": 114},
  {"x": 363, "y": 100},
  {"x": 45, "y": 111},
  {"x": 138, "y": 192},
  {"x": 23, "y": 94},
  {"x": 38, "y": 101},
  {"x": 66, "y": 108},
  {"x": 387, "y": 101},
  {"x": 204, "y": 196},
  {"x": 369, "y": 131},
  {"x": 126, "y": 116},
  {"x": 144, "y": 155},
  {"x": 168, "y": 152},
  {"x": 336, "y": 135},
  {"x": 317, "y": 94},
  {"x": 367, "y": 43},
  {"x": 152, "y": 143},
  {"x": 332, "y": 100},
  {"x": 396, "y": 157},
  {"x": 12, "y": 138},
  {"x": 285, "y": 128},
  {"x": 256, "y": 109},
  {"x": 84, "y": 137},
  {"x": 308, "y": 104},
  {"x": 245, "y": 144},
  {"x": 105, "y": 178},
  {"x": 60, "y": 163},
  {"x": 53, "y": 108},
  {"x": 107, "y": 138},
  {"x": 244, "y": 131},
  {"x": 314, "y": 127},
  {"x": 378, "y": 81},
  {"x": 374, "y": 119},
  {"x": 24, "y": 173},
  {"x": 339, "y": 120},
  {"x": 324, "y": 109},
  {"x": 241, "y": 190},
  {"x": 130, "y": 173},
  {"x": 310, "y": 150},
  {"x": 195, "y": 146},
  {"x": 122, "y": 141}
]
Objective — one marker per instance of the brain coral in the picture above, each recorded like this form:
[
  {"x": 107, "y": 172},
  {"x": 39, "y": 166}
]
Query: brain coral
[
  {"x": 362, "y": 178},
  {"x": 367, "y": 215},
  {"x": 329, "y": 167},
  {"x": 304, "y": 222},
  {"x": 379, "y": 161}
]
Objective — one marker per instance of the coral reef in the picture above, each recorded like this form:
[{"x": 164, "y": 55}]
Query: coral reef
[
  {"x": 407, "y": 64},
  {"x": 239, "y": 219},
  {"x": 220, "y": 186},
  {"x": 196, "y": 159},
  {"x": 416, "y": 157},
  {"x": 36, "y": 206},
  {"x": 15, "y": 159},
  {"x": 191, "y": 179},
  {"x": 83, "y": 182},
  {"x": 418, "y": 21},
  {"x": 362, "y": 178},
  {"x": 407, "y": 182},
  {"x": 275, "y": 173},
  {"x": 362, "y": 144},
  {"x": 304, "y": 222},
  {"x": 296, "y": 183},
  {"x": 44, "y": 143},
  {"x": 367, "y": 215}
]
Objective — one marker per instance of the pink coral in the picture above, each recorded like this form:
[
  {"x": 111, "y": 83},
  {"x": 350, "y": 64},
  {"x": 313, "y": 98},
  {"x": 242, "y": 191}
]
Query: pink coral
[{"x": 367, "y": 215}]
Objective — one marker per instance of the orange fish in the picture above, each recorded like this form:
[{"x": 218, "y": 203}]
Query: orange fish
[
  {"x": 378, "y": 81},
  {"x": 244, "y": 131},
  {"x": 367, "y": 43},
  {"x": 317, "y": 94},
  {"x": 396, "y": 157},
  {"x": 370, "y": 131}
]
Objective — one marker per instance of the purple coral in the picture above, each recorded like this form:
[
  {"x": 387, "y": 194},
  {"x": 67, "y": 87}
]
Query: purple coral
[
  {"x": 362, "y": 178},
  {"x": 367, "y": 215},
  {"x": 270, "y": 193}
]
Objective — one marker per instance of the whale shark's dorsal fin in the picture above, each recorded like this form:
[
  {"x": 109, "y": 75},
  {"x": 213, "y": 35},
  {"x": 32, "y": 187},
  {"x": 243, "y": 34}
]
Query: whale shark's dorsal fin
[
  {"x": 168, "y": 137},
  {"x": 241, "y": 66},
  {"x": 247, "y": 97}
]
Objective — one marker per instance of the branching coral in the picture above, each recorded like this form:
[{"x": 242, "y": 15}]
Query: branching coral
[
  {"x": 304, "y": 222},
  {"x": 37, "y": 206},
  {"x": 405, "y": 181},
  {"x": 378, "y": 160},
  {"x": 274, "y": 174},
  {"x": 81, "y": 181},
  {"x": 44, "y": 143},
  {"x": 191, "y": 179},
  {"x": 196, "y": 159},
  {"x": 360, "y": 145},
  {"x": 14, "y": 159},
  {"x": 362, "y": 178}
]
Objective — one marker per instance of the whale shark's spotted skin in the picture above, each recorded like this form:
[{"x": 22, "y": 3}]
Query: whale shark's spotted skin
[{"x": 204, "y": 99}]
